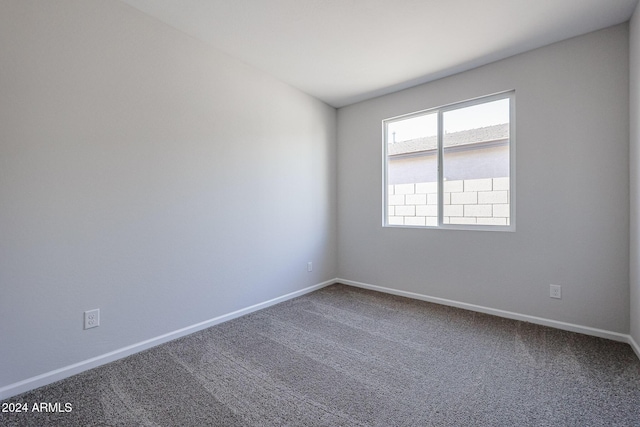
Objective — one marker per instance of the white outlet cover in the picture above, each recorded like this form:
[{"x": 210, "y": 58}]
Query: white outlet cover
[
  {"x": 92, "y": 318},
  {"x": 555, "y": 291}
]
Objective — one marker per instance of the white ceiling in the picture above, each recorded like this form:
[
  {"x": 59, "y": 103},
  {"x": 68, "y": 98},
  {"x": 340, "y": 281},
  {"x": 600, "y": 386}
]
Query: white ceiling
[{"x": 345, "y": 51}]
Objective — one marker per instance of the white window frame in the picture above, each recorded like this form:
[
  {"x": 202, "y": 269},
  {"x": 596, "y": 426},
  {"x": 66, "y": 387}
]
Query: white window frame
[{"x": 440, "y": 111}]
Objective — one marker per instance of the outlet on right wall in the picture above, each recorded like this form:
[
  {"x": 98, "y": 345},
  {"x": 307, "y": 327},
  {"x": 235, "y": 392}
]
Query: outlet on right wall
[{"x": 634, "y": 151}]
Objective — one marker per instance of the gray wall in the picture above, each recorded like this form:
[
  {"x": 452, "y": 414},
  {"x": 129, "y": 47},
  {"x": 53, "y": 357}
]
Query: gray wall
[
  {"x": 145, "y": 174},
  {"x": 572, "y": 136},
  {"x": 634, "y": 90}
]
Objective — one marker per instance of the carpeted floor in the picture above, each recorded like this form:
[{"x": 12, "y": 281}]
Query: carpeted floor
[{"x": 344, "y": 356}]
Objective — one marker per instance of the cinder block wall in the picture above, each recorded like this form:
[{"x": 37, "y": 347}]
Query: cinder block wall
[{"x": 469, "y": 201}]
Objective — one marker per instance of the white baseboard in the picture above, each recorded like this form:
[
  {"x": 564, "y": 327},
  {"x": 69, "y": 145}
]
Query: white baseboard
[
  {"x": 634, "y": 345},
  {"x": 587, "y": 330},
  {"x": 67, "y": 371}
]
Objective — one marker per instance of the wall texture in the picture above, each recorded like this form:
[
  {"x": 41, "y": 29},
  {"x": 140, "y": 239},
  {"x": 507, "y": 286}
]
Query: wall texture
[
  {"x": 634, "y": 104},
  {"x": 145, "y": 174},
  {"x": 572, "y": 191}
]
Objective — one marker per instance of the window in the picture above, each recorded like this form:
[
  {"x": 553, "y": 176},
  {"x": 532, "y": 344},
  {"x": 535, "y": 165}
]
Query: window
[{"x": 452, "y": 166}]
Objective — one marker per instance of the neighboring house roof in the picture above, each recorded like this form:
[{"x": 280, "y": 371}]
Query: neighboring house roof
[{"x": 467, "y": 137}]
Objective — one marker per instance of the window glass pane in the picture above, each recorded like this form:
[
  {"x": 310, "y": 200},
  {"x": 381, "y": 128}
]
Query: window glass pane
[
  {"x": 476, "y": 164},
  {"x": 412, "y": 171}
]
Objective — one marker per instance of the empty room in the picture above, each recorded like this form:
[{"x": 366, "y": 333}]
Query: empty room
[{"x": 319, "y": 213}]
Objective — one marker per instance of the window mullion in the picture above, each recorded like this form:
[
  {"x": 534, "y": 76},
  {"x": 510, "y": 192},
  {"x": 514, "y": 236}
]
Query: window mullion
[{"x": 440, "y": 172}]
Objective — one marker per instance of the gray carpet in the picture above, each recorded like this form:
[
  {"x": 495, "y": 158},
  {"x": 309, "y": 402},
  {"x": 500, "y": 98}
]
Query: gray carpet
[{"x": 344, "y": 356}]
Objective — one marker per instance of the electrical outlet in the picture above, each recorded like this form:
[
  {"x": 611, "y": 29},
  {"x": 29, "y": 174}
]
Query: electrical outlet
[
  {"x": 555, "y": 291},
  {"x": 309, "y": 266},
  {"x": 92, "y": 318}
]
